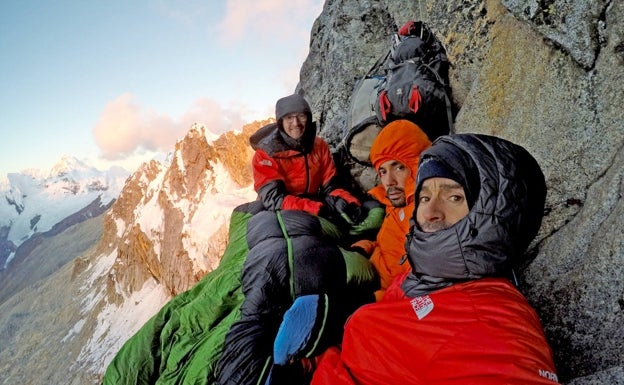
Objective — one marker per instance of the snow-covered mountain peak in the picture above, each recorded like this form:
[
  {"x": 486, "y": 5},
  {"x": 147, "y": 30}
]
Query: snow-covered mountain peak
[
  {"x": 175, "y": 214},
  {"x": 69, "y": 165},
  {"x": 33, "y": 201},
  {"x": 166, "y": 230}
]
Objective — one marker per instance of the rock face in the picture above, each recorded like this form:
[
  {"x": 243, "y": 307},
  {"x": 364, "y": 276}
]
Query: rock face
[
  {"x": 148, "y": 226},
  {"x": 547, "y": 75}
]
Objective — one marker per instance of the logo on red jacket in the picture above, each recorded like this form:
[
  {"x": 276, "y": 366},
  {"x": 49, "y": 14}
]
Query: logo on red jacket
[
  {"x": 548, "y": 375},
  {"x": 422, "y": 306}
]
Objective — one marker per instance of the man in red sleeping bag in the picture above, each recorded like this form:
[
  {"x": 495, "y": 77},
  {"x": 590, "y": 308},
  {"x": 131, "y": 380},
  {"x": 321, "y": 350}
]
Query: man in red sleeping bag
[{"x": 456, "y": 318}]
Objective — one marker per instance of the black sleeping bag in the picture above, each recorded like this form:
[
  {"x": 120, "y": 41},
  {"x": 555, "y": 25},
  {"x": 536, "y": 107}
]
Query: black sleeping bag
[
  {"x": 288, "y": 257},
  {"x": 235, "y": 310}
]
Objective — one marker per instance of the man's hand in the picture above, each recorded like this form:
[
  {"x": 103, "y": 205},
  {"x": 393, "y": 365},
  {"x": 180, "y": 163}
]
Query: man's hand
[
  {"x": 373, "y": 221},
  {"x": 349, "y": 212}
]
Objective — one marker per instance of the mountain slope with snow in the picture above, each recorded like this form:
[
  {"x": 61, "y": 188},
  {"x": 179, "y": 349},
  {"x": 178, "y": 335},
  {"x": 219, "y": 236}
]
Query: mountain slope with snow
[
  {"x": 34, "y": 201},
  {"x": 167, "y": 228}
]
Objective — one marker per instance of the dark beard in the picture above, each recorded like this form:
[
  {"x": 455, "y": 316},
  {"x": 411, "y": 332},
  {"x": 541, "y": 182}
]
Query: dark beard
[
  {"x": 398, "y": 202},
  {"x": 433, "y": 227},
  {"x": 401, "y": 202}
]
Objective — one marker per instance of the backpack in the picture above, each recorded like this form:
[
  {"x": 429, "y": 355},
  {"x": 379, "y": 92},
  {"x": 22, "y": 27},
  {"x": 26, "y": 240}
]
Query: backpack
[
  {"x": 362, "y": 119},
  {"x": 413, "y": 85}
]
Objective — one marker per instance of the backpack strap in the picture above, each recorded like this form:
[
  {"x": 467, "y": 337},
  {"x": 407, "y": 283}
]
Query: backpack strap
[
  {"x": 447, "y": 100},
  {"x": 449, "y": 113},
  {"x": 384, "y": 105},
  {"x": 415, "y": 99}
]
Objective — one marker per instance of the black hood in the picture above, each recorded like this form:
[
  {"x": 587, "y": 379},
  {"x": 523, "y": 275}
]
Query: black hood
[
  {"x": 504, "y": 219},
  {"x": 290, "y": 104},
  {"x": 273, "y": 140}
]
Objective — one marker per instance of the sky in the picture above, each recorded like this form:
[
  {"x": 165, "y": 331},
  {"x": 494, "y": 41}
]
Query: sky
[{"x": 116, "y": 82}]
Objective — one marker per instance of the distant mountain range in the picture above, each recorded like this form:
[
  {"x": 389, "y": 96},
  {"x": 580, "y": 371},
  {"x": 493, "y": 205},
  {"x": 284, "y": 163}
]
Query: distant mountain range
[
  {"x": 90, "y": 256},
  {"x": 36, "y": 202}
]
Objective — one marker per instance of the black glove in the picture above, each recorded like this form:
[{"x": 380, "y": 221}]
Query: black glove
[
  {"x": 325, "y": 212},
  {"x": 349, "y": 212}
]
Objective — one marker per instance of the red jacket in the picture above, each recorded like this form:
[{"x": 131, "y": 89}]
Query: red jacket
[
  {"x": 294, "y": 179},
  {"x": 479, "y": 332}
]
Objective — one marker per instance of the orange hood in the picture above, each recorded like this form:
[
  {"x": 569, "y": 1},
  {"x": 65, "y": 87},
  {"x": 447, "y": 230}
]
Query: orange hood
[{"x": 400, "y": 140}]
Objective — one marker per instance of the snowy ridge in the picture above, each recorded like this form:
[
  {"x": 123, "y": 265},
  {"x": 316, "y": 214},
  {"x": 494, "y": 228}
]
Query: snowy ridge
[
  {"x": 215, "y": 210},
  {"x": 35, "y": 200},
  {"x": 115, "y": 322},
  {"x": 194, "y": 185}
]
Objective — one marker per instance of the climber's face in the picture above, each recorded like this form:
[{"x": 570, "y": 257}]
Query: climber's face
[
  {"x": 441, "y": 204},
  {"x": 294, "y": 124},
  {"x": 393, "y": 175}
]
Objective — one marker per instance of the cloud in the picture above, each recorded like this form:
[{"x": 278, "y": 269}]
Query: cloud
[
  {"x": 278, "y": 29},
  {"x": 125, "y": 128},
  {"x": 268, "y": 20},
  {"x": 191, "y": 13}
]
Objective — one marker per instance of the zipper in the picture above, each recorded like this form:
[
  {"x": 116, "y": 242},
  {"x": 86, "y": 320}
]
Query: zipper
[{"x": 307, "y": 172}]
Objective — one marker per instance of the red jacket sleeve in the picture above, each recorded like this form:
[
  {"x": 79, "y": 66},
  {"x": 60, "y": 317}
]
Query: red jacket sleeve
[{"x": 269, "y": 183}]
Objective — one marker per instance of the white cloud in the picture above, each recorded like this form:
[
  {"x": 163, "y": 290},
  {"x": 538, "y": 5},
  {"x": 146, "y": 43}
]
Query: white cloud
[
  {"x": 275, "y": 20},
  {"x": 125, "y": 128}
]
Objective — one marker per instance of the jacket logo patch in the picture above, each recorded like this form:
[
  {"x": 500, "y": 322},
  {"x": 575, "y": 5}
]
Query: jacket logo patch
[
  {"x": 266, "y": 162},
  {"x": 422, "y": 306},
  {"x": 548, "y": 375}
]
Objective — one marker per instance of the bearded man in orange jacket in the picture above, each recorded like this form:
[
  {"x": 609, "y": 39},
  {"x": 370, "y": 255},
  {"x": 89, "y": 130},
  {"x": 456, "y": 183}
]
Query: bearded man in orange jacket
[{"x": 394, "y": 155}]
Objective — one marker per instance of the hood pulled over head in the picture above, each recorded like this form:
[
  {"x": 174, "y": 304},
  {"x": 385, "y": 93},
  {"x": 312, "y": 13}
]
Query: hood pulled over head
[
  {"x": 403, "y": 141},
  {"x": 508, "y": 192},
  {"x": 291, "y": 104},
  {"x": 273, "y": 139}
]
